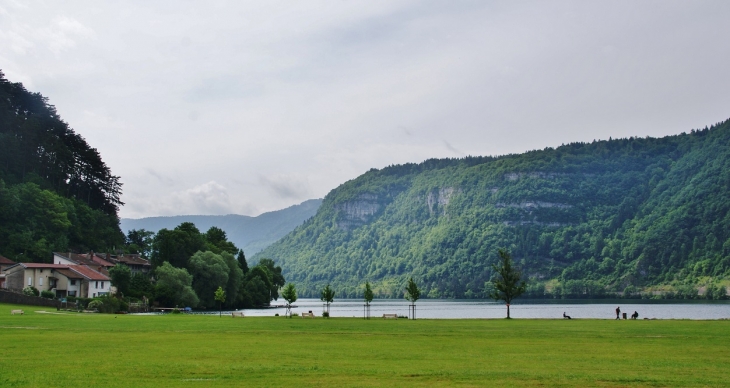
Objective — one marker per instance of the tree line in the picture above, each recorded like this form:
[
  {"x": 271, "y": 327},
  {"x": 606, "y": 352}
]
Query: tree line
[{"x": 189, "y": 266}]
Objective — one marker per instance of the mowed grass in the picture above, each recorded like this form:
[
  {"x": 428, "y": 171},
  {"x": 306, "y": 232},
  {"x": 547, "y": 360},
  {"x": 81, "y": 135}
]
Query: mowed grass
[{"x": 96, "y": 350}]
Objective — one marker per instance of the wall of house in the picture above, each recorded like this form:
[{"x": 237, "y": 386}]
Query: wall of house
[
  {"x": 15, "y": 279},
  {"x": 99, "y": 288},
  {"x": 61, "y": 260}
]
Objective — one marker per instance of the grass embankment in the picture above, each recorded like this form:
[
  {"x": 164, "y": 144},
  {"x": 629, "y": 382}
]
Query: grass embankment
[{"x": 95, "y": 350}]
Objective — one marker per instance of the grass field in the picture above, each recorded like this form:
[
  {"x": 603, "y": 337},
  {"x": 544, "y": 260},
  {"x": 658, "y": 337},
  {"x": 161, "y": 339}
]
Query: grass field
[{"x": 95, "y": 350}]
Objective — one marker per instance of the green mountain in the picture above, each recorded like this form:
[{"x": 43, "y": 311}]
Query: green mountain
[
  {"x": 56, "y": 193},
  {"x": 598, "y": 219},
  {"x": 252, "y": 234}
]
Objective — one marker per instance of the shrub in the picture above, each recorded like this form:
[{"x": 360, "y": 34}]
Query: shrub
[
  {"x": 31, "y": 291},
  {"x": 176, "y": 311},
  {"x": 95, "y": 304},
  {"x": 325, "y": 315},
  {"x": 48, "y": 294},
  {"x": 276, "y": 315}
]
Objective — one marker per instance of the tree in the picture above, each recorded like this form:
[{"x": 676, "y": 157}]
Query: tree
[
  {"x": 121, "y": 277},
  {"x": 178, "y": 245},
  {"x": 217, "y": 241},
  {"x": 368, "y": 294},
  {"x": 412, "y": 295},
  {"x": 220, "y": 296},
  {"x": 275, "y": 276},
  {"x": 140, "y": 241},
  {"x": 235, "y": 279},
  {"x": 327, "y": 296},
  {"x": 174, "y": 286},
  {"x": 241, "y": 258},
  {"x": 507, "y": 281},
  {"x": 140, "y": 286},
  {"x": 289, "y": 293},
  {"x": 209, "y": 271}
]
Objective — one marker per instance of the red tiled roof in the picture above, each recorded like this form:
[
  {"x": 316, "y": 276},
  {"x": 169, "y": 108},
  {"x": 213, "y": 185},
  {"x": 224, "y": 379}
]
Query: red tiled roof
[
  {"x": 94, "y": 261},
  {"x": 132, "y": 259},
  {"x": 88, "y": 272},
  {"x": 69, "y": 274},
  {"x": 5, "y": 260}
]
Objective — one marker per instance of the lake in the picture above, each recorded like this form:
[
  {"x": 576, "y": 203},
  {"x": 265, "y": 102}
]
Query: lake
[{"x": 476, "y": 309}]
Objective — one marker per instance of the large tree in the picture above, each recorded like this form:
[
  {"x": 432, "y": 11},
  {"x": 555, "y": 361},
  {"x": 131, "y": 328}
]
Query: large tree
[
  {"x": 121, "y": 277},
  {"x": 209, "y": 271},
  {"x": 174, "y": 287},
  {"x": 178, "y": 245},
  {"x": 507, "y": 281}
]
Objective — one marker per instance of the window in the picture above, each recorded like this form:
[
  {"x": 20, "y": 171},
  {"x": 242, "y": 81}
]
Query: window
[
  {"x": 30, "y": 281},
  {"x": 72, "y": 293},
  {"x": 96, "y": 285},
  {"x": 102, "y": 284},
  {"x": 73, "y": 282},
  {"x": 40, "y": 281}
]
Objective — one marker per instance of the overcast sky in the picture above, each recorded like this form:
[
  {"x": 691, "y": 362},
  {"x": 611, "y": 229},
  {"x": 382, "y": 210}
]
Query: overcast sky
[{"x": 215, "y": 107}]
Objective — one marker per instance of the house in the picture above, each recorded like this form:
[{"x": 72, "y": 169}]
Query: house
[
  {"x": 90, "y": 260},
  {"x": 61, "y": 279},
  {"x": 4, "y": 263},
  {"x": 135, "y": 262}
]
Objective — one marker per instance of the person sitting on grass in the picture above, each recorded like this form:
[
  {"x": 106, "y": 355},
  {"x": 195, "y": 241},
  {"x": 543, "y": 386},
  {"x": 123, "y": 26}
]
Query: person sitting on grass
[
  {"x": 566, "y": 316},
  {"x": 634, "y": 315}
]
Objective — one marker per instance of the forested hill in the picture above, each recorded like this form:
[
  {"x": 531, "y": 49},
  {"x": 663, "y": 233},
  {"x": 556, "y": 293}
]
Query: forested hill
[
  {"x": 56, "y": 193},
  {"x": 252, "y": 234},
  {"x": 593, "y": 219}
]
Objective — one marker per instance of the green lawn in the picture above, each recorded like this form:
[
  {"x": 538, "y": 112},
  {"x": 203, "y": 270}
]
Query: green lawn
[{"x": 95, "y": 350}]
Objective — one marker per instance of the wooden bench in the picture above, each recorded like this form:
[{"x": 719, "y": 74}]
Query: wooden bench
[
  {"x": 237, "y": 314},
  {"x": 389, "y": 316},
  {"x": 307, "y": 315},
  {"x": 13, "y": 312}
]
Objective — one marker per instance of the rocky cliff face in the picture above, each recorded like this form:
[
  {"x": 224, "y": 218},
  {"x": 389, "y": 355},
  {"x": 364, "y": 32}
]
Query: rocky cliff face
[
  {"x": 437, "y": 200},
  {"x": 360, "y": 211}
]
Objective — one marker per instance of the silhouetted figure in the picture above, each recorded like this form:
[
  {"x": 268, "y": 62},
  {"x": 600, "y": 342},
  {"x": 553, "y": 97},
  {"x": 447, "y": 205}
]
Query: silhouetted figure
[
  {"x": 618, "y": 312},
  {"x": 566, "y": 316},
  {"x": 634, "y": 315}
]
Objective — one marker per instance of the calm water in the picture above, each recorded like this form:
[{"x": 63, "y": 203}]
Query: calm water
[{"x": 466, "y": 309}]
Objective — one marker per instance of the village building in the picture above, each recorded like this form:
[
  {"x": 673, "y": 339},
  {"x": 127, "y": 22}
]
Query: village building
[
  {"x": 4, "y": 263},
  {"x": 61, "y": 279}
]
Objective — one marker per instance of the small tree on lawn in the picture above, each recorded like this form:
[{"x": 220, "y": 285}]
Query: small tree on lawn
[
  {"x": 507, "y": 282},
  {"x": 412, "y": 295},
  {"x": 327, "y": 296},
  {"x": 220, "y": 296},
  {"x": 368, "y": 294},
  {"x": 289, "y": 293}
]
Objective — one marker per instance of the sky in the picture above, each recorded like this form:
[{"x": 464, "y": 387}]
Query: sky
[{"x": 243, "y": 107}]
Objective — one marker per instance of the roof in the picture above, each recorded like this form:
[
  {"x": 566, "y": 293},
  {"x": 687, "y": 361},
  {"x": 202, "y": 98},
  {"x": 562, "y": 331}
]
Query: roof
[
  {"x": 69, "y": 274},
  {"x": 43, "y": 265},
  {"x": 5, "y": 260},
  {"x": 84, "y": 259},
  {"x": 88, "y": 272},
  {"x": 132, "y": 260}
]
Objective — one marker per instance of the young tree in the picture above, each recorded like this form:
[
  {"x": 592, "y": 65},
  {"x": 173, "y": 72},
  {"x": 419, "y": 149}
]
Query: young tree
[
  {"x": 289, "y": 293},
  {"x": 220, "y": 296},
  {"x": 327, "y": 296},
  {"x": 412, "y": 295},
  {"x": 368, "y": 294},
  {"x": 508, "y": 283}
]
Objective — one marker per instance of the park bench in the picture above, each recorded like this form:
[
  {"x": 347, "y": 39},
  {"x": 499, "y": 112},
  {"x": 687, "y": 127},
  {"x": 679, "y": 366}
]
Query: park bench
[
  {"x": 388, "y": 316},
  {"x": 13, "y": 312},
  {"x": 307, "y": 315},
  {"x": 237, "y": 314}
]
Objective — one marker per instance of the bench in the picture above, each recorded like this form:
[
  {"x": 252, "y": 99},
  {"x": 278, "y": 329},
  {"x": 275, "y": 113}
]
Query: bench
[
  {"x": 389, "y": 316},
  {"x": 307, "y": 315},
  {"x": 13, "y": 312},
  {"x": 237, "y": 314}
]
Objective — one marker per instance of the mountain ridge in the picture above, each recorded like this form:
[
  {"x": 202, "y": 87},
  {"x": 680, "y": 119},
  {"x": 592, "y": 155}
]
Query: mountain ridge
[{"x": 250, "y": 233}]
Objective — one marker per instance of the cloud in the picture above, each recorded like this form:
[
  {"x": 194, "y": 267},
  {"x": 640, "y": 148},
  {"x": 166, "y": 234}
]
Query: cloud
[{"x": 286, "y": 186}]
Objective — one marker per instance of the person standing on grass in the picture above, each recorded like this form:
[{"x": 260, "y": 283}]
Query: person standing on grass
[{"x": 618, "y": 311}]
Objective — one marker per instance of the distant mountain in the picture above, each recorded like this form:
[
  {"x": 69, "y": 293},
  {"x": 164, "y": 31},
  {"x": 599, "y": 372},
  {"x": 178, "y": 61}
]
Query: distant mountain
[
  {"x": 600, "y": 219},
  {"x": 252, "y": 234}
]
